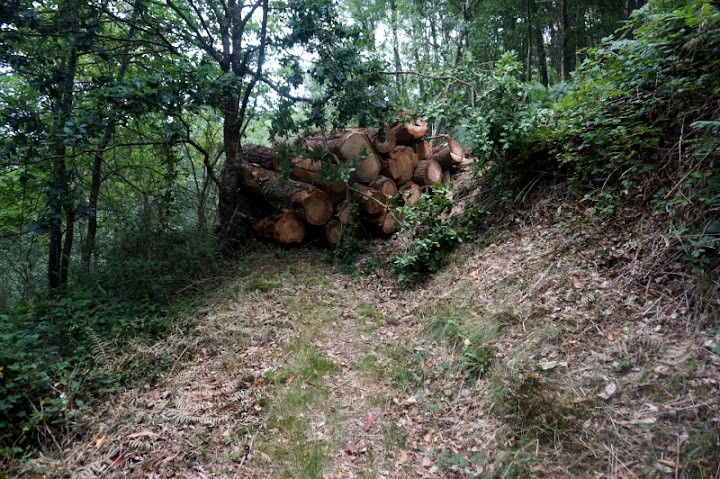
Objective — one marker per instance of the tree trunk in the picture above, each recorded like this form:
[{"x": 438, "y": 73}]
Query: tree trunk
[
  {"x": 528, "y": 62},
  {"x": 88, "y": 246},
  {"x": 59, "y": 196},
  {"x": 564, "y": 53},
  {"x": 541, "y": 56}
]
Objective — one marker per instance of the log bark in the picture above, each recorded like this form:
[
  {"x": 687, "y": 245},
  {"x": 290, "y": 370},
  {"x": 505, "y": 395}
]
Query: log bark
[
  {"x": 450, "y": 154},
  {"x": 427, "y": 173},
  {"x": 410, "y": 193},
  {"x": 284, "y": 227},
  {"x": 261, "y": 155},
  {"x": 314, "y": 203},
  {"x": 400, "y": 164},
  {"x": 356, "y": 147},
  {"x": 384, "y": 185},
  {"x": 408, "y": 133}
]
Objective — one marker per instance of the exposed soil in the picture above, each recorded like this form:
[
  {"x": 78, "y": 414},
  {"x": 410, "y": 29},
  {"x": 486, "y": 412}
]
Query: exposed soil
[{"x": 556, "y": 350}]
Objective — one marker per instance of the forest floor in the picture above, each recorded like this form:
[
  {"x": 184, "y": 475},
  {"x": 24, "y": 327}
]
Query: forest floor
[{"x": 543, "y": 352}]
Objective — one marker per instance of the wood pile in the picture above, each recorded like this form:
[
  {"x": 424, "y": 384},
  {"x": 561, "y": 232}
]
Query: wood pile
[{"x": 398, "y": 162}]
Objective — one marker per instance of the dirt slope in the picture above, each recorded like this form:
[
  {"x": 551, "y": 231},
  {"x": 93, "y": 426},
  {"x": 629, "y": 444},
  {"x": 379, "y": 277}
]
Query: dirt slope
[{"x": 543, "y": 354}]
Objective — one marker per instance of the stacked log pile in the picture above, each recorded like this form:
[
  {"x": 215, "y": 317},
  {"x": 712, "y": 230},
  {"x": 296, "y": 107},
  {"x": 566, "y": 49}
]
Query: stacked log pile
[{"x": 398, "y": 162}]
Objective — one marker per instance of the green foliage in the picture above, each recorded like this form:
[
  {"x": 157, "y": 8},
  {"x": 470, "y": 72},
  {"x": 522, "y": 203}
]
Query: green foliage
[
  {"x": 57, "y": 355},
  {"x": 641, "y": 115},
  {"x": 435, "y": 232}
]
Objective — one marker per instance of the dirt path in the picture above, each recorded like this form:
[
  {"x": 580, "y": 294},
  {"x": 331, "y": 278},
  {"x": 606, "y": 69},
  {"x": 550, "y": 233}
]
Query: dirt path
[{"x": 524, "y": 359}]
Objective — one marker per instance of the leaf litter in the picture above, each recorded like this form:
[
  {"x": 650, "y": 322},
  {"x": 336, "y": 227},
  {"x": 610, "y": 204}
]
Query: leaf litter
[{"x": 597, "y": 369}]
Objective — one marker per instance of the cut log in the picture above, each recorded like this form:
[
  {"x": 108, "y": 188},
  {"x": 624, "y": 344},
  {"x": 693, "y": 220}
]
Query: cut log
[
  {"x": 427, "y": 173},
  {"x": 356, "y": 147},
  {"x": 400, "y": 164},
  {"x": 336, "y": 192},
  {"x": 314, "y": 203},
  {"x": 284, "y": 227},
  {"x": 370, "y": 201},
  {"x": 384, "y": 185},
  {"x": 262, "y": 156},
  {"x": 383, "y": 223},
  {"x": 383, "y": 143},
  {"x": 450, "y": 154},
  {"x": 332, "y": 233},
  {"x": 410, "y": 193},
  {"x": 345, "y": 213},
  {"x": 423, "y": 150},
  {"x": 408, "y": 133}
]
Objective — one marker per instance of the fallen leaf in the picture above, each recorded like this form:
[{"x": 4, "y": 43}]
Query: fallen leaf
[
  {"x": 369, "y": 421},
  {"x": 402, "y": 460},
  {"x": 577, "y": 284},
  {"x": 643, "y": 420},
  {"x": 156, "y": 396},
  {"x": 292, "y": 379},
  {"x": 100, "y": 442},
  {"x": 546, "y": 366},
  {"x": 610, "y": 390},
  {"x": 350, "y": 450},
  {"x": 666, "y": 462},
  {"x": 428, "y": 435},
  {"x": 611, "y": 336},
  {"x": 118, "y": 461}
]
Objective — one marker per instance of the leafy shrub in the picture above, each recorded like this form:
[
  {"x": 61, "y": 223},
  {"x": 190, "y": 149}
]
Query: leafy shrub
[
  {"x": 54, "y": 353},
  {"x": 640, "y": 119},
  {"x": 433, "y": 235}
]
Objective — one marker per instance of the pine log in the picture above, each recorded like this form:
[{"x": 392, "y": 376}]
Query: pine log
[
  {"x": 427, "y": 173},
  {"x": 408, "y": 133},
  {"x": 384, "y": 185},
  {"x": 284, "y": 227},
  {"x": 370, "y": 201},
  {"x": 423, "y": 150},
  {"x": 356, "y": 147},
  {"x": 410, "y": 193},
  {"x": 450, "y": 154},
  {"x": 400, "y": 164},
  {"x": 314, "y": 203},
  {"x": 384, "y": 222}
]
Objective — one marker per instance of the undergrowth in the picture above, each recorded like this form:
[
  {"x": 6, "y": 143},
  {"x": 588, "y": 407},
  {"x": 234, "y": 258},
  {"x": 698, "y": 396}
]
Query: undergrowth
[{"x": 58, "y": 355}]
